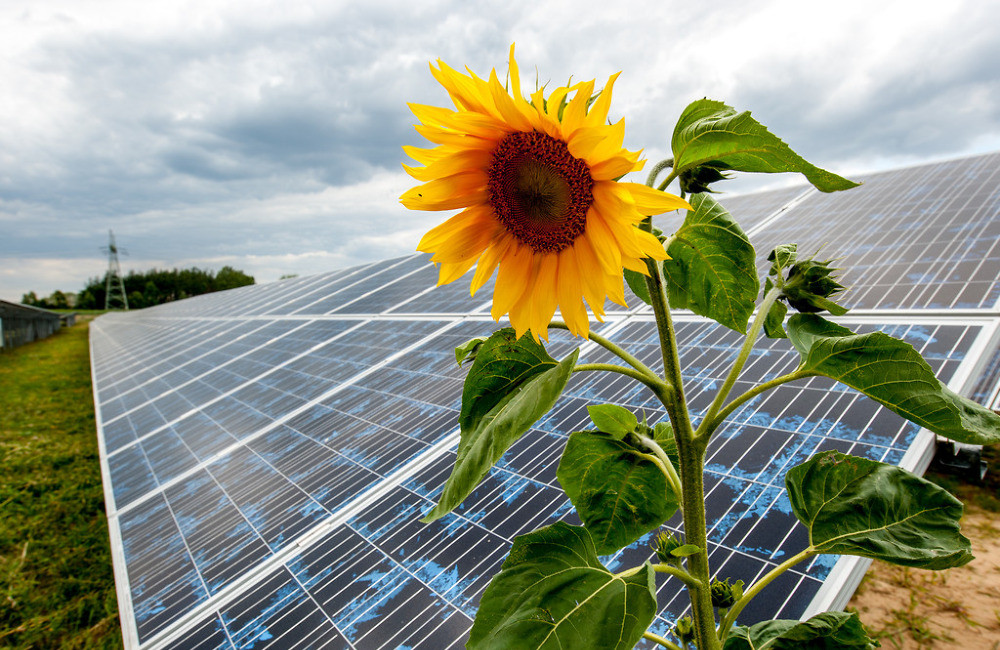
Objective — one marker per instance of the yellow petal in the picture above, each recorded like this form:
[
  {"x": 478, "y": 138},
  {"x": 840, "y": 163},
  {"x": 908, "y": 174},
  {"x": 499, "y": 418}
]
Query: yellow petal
[
  {"x": 599, "y": 111},
  {"x": 515, "y": 77},
  {"x": 612, "y": 168},
  {"x": 575, "y": 114},
  {"x": 591, "y": 275},
  {"x": 569, "y": 288},
  {"x": 583, "y": 141},
  {"x": 458, "y": 191},
  {"x": 442, "y": 232},
  {"x": 450, "y": 165},
  {"x": 488, "y": 264},
  {"x": 543, "y": 295},
  {"x": 649, "y": 201},
  {"x": 469, "y": 242},
  {"x": 605, "y": 246},
  {"x": 512, "y": 279},
  {"x": 505, "y": 105},
  {"x": 616, "y": 288},
  {"x": 453, "y": 271},
  {"x": 650, "y": 245}
]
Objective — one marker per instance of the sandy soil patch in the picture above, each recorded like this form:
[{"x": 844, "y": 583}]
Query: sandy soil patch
[{"x": 912, "y": 609}]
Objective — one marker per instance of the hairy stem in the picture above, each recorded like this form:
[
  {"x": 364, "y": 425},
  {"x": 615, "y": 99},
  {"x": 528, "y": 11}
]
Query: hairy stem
[
  {"x": 756, "y": 588},
  {"x": 710, "y": 422},
  {"x": 618, "y": 352},
  {"x": 668, "y": 180},
  {"x": 660, "y": 166},
  {"x": 656, "y": 638},
  {"x": 754, "y": 392},
  {"x": 668, "y": 467},
  {"x": 654, "y": 383},
  {"x": 678, "y": 573},
  {"x": 692, "y": 464}
]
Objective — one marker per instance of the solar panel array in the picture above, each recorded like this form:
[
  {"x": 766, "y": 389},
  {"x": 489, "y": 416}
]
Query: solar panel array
[{"x": 268, "y": 451}]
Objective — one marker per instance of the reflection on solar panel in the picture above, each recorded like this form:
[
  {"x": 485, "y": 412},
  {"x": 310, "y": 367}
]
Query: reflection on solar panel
[{"x": 268, "y": 451}]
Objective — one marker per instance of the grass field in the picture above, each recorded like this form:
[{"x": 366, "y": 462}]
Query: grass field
[{"x": 56, "y": 584}]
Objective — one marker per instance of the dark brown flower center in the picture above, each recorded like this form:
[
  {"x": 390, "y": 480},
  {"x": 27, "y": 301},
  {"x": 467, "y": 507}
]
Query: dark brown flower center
[{"x": 539, "y": 191}]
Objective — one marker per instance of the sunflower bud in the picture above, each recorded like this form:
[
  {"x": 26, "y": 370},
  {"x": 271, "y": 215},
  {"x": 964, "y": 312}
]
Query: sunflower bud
[
  {"x": 684, "y": 630},
  {"x": 725, "y": 595},
  {"x": 697, "y": 179},
  {"x": 806, "y": 285},
  {"x": 664, "y": 546}
]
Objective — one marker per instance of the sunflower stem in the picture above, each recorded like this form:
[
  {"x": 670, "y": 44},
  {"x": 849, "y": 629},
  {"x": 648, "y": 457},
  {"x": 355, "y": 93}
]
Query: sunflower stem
[
  {"x": 668, "y": 467},
  {"x": 651, "y": 376},
  {"x": 756, "y": 588},
  {"x": 754, "y": 392},
  {"x": 660, "y": 166},
  {"x": 654, "y": 383},
  {"x": 691, "y": 454},
  {"x": 656, "y": 638},
  {"x": 668, "y": 180},
  {"x": 678, "y": 573},
  {"x": 710, "y": 422}
]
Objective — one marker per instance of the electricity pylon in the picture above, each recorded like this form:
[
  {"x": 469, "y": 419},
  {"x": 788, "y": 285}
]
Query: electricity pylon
[{"x": 114, "y": 286}]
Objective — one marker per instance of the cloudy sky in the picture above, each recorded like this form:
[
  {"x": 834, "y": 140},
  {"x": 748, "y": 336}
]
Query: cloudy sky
[{"x": 266, "y": 135}]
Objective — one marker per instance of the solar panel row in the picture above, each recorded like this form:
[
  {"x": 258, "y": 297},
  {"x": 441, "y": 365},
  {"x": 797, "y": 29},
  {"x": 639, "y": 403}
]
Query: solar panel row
[{"x": 268, "y": 451}]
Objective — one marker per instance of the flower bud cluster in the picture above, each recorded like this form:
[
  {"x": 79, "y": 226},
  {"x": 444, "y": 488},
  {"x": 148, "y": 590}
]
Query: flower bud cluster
[
  {"x": 725, "y": 595},
  {"x": 805, "y": 285}
]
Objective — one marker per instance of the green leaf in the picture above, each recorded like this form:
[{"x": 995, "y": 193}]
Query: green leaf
[
  {"x": 492, "y": 433},
  {"x": 468, "y": 350},
  {"x": 503, "y": 362},
  {"x": 613, "y": 420},
  {"x": 637, "y": 283},
  {"x": 619, "y": 494},
  {"x": 781, "y": 258},
  {"x": 856, "y": 506},
  {"x": 712, "y": 270},
  {"x": 686, "y": 550},
  {"x": 711, "y": 133},
  {"x": 892, "y": 373},
  {"x": 826, "y": 631},
  {"x": 553, "y": 593},
  {"x": 774, "y": 322}
]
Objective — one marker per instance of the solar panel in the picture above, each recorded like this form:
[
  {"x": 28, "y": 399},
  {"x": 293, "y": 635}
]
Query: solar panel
[{"x": 268, "y": 451}]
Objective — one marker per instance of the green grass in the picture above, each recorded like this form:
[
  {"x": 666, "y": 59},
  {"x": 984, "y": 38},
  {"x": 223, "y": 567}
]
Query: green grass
[{"x": 56, "y": 583}]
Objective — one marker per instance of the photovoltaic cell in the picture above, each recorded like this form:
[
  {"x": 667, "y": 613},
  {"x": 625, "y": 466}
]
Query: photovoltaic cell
[
  {"x": 925, "y": 237},
  {"x": 269, "y": 450}
]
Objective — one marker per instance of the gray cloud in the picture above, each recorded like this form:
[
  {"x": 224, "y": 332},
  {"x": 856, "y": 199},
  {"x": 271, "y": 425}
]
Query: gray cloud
[{"x": 269, "y": 136}]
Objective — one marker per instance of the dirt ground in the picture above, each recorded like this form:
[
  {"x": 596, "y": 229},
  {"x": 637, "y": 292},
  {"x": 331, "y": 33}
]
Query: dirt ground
[{"x": 913, "y": 609}]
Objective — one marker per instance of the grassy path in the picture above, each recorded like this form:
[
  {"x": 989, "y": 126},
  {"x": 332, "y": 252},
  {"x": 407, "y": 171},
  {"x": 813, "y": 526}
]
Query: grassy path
[{"x": 56, "y": 584}]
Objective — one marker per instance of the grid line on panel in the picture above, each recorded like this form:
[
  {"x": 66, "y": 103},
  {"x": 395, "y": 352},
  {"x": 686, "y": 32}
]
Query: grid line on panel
[
  {"x": 229, "y": 361},
  {"x": 260, "y": 572},
  {"x": 324, "y": 526},
  {"x": 283, "y": 419},
  {"x": 324, "y": 303},
  {"x": 922, "y": 237}
]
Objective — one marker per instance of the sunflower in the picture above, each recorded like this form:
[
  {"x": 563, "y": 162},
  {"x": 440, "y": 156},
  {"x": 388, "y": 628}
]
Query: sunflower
[{"x": 536, "y": 182}]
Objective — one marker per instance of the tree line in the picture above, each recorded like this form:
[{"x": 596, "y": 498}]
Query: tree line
[{"x": 146, "y": 288}]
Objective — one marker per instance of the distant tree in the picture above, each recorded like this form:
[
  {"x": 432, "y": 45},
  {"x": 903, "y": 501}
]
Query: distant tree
[
  {"x": 58, "y": 300},
  {"x": 86, "y": 300},
  {"x": 230, "y": 278},
  {"x": 289, "y": 276},
  {"x": 148, "y": 288}
]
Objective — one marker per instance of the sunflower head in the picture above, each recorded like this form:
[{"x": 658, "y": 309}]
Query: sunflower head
[{"x": 535, "y": 180}]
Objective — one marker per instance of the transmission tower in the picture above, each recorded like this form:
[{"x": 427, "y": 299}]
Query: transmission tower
[{"x": 114, "y": 286}]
